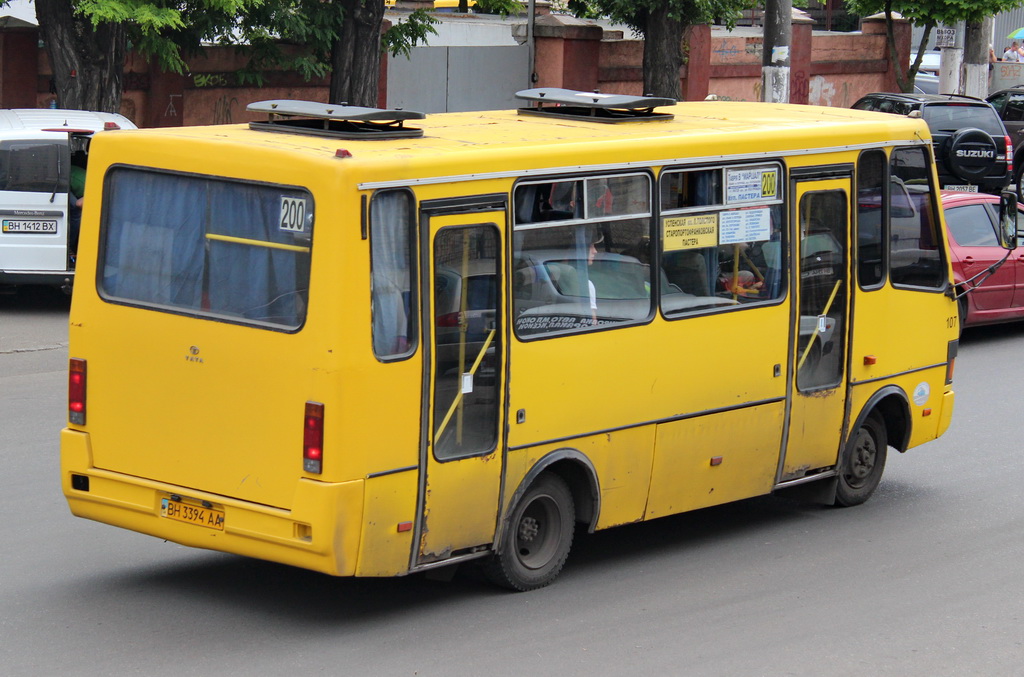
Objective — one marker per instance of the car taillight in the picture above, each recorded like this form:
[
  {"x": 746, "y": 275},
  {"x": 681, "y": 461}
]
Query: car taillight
[
  {"x": 76, "y": 391},
  {"x": 448, "y": 319},
  {"x": 313, "y": 438},
  {"x": 1009, "y": 154}
]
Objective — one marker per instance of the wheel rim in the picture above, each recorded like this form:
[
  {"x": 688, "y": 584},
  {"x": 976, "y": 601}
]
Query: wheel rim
[
  {"x": 861, "y": 462},
  {"x": 537, "y": 532}
]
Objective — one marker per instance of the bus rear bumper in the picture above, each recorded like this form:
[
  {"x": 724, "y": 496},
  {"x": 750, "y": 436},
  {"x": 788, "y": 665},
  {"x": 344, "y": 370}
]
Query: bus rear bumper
[{"x": 253, "y": 530}]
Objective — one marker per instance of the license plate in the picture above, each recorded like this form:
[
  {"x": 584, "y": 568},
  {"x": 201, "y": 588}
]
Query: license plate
[
  {"x": 192, "y": 514},
  {"x": 962, "y": 188},
  {"x": 20, "y": 226}
]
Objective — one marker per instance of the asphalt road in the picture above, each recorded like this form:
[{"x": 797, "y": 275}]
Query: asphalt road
[{"x": 924, "y": 579}]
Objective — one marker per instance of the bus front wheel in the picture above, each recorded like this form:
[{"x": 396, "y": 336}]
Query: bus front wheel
[
  {"x": 863, "y": 461},
  {"x": 537, "y": 538}
]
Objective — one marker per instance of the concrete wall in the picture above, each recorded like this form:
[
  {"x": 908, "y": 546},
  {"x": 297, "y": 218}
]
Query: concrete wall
[{"x": 441, "y": 79}]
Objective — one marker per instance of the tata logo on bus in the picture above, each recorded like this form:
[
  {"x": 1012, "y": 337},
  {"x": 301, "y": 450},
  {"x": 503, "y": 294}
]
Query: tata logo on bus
[{"x": 193, "y": 355}]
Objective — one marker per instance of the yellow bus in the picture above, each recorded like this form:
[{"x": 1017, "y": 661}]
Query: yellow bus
[{"x": 372, "y": 343}]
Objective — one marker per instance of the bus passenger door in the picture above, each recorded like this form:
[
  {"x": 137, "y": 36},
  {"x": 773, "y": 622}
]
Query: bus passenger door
[
  {"x": 820, "y": 327},
  {"x": 461, "y": 459}
]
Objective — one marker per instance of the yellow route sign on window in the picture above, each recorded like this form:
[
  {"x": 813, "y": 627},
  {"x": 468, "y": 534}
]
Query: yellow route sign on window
[{"x": 689, "y": 232}]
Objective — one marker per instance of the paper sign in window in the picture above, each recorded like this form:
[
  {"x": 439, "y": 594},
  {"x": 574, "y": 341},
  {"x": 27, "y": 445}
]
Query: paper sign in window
[
  {"x": 745, "y": 225},
  {"x": 689, "y": 232},
  {"x": 752, "y": 184}
]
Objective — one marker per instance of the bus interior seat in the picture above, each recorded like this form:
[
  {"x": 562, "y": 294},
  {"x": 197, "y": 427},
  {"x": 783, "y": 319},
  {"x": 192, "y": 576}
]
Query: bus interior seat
[
  {"x": 688, "y": 271},
  {"x": 565, "y": 278}
]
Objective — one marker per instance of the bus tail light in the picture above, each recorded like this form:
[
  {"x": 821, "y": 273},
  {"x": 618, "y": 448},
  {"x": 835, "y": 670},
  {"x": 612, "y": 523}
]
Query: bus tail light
[
  {"x": 76, "y": 391},
  {"x": 313, "y": 438}
]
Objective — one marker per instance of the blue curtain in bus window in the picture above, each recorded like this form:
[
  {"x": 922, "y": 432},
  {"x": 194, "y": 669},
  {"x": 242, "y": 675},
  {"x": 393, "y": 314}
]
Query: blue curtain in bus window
[
  {"x": 707, "y": 188},
  {"x": 252, "y": 279},
  {"x": 153, "y": 249},
  {"x": 391, "y": 273}
]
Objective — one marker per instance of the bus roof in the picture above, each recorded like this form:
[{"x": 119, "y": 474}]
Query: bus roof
[{"x": 484, "y": 143}]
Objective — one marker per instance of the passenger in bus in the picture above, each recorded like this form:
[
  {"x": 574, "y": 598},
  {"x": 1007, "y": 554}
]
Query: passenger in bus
[
  {"x": 544, "y": 202},
  {"x": 641, "y": 250},
  {"x": 77, "y": 198},
  {"x": 596, "y": 237}
]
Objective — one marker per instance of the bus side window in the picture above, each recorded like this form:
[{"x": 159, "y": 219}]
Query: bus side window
[
  {"x": 391, "y": 263},
  {"x": 915, "y": 254},
  {"x": 592, "y": 271},
  {"x": 720, "y": 244},
  {"x": 871, "y": 212},
  {"x": 691, "y": 189}
]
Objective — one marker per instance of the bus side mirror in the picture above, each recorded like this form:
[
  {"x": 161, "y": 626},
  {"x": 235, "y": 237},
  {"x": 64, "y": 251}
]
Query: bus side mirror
[{"x": 1007, "y": 220}]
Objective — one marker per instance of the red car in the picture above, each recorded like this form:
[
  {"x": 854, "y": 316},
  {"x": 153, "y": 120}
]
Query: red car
[{"x": 972, "y": 218}]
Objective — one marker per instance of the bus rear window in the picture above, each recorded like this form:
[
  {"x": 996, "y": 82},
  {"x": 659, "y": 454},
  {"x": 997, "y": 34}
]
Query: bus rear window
[{"x": 203, "y": 246}]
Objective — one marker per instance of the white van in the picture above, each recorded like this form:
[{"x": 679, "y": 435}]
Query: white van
[{"x": 38, "y": 218}]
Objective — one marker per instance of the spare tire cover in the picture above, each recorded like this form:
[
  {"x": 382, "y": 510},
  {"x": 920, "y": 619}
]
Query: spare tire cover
[{"x": 971, "y": 153}]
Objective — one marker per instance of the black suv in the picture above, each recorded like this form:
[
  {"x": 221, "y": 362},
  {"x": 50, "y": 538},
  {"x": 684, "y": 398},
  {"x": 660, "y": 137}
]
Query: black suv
[
  {"x": 1009, "y": 104},
  {"x": 972, "y": 148}
]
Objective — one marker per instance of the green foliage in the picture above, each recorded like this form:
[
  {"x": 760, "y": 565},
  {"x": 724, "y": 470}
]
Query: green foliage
[
  {"x": 947, "y": 12},
  {"x": 404, "y": 35},
  {"x": 164, "y": 29},
  {"x": 311, "y": 28},
  {"x": 502, "y": 7},
  {"x": 147, "y": 18},
  {"x": 295, "y": 35},
  {"x": 634, "y": 13},
  {"x": 584, "y": 9}
]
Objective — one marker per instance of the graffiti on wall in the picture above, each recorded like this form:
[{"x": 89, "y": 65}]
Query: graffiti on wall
[
  {"x": 201, "y": 80},
  {"x": 223, "y": 108},
  {"x": 824, "y": 92},
  {"x": 171, "y": 111}
]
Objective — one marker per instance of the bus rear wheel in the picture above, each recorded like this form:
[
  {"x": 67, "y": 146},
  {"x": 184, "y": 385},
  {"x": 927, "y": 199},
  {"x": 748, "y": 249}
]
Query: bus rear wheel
[
  {"x": 862, "y": 463},
  {"x": 537, "y": 538}
]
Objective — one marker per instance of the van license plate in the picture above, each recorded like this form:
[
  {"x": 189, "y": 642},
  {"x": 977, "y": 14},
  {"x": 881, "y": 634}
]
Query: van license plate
[
  {"x": 19, "y": 226},
  {"x": 961, "y": 188},
  {"x": 192, "y": 514}
]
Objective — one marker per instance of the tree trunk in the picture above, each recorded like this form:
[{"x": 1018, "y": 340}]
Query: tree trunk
[
  {"x": 355, "y": 55},
  {"x": 663, "y": 54},
  {"x": 87, "y": 63},
  {"x": 775, "y": 61},
  {"x": 977, "y": 58}
]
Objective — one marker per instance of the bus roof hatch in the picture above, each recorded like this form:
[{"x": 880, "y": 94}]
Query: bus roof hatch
[
  {"x": 593, "y": 106},
  {"x": 334, "y": 120}
]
